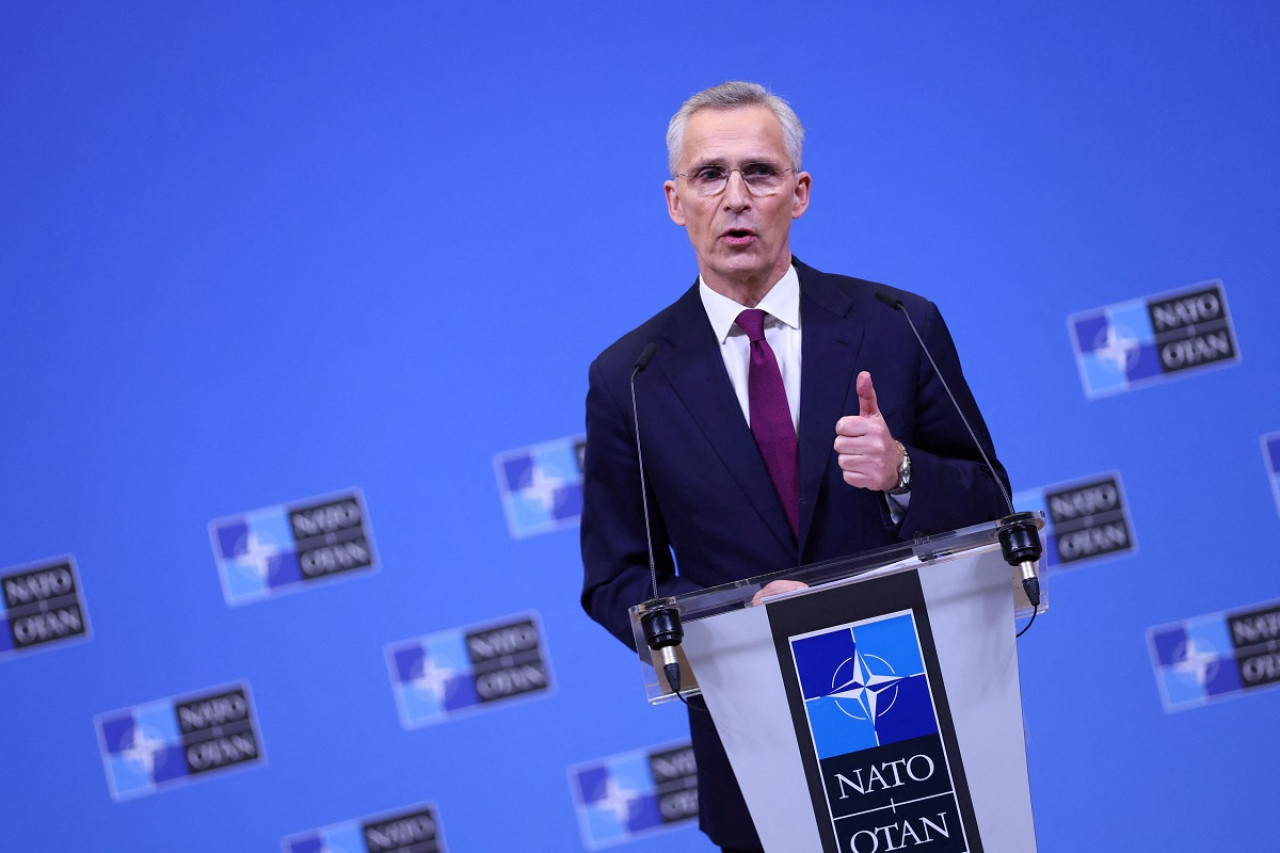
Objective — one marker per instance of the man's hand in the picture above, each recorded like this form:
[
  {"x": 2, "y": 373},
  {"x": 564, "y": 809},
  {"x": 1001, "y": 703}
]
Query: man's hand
[
  {"x": 867, "y": 453},
  {"x": 776, "y": 588}
]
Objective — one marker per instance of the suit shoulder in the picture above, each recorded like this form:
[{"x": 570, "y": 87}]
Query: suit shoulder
[
  {"x": 858, "y": 291},
  {"x": 621, "y": 355}
]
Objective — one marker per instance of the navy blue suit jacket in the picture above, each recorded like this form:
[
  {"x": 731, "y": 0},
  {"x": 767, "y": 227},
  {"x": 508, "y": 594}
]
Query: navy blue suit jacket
[{"x": 713, "y": 511}]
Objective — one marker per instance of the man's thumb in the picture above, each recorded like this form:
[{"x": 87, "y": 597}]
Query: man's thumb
[{"x": 867, "y": 405}]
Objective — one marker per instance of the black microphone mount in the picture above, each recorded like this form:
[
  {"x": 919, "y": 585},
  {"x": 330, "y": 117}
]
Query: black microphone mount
[
  {"x": 660, "y": 618},
  {"x": 1017, "y": 531}
]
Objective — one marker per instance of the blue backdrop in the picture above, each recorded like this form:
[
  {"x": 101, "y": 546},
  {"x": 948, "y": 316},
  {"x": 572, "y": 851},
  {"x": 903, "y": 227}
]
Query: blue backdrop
[{"x": 256, "y": 253}]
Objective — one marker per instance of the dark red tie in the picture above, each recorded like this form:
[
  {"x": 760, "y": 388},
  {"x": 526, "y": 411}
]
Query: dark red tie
[{"x": 771, "y": 417}]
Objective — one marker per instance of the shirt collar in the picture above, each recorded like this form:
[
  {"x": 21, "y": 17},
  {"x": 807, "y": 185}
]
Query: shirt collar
[{"x": 781, "y": 302}]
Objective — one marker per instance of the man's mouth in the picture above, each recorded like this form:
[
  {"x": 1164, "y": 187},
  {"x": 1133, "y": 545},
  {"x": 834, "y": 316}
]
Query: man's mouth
[{"x": 738, "y": 236}]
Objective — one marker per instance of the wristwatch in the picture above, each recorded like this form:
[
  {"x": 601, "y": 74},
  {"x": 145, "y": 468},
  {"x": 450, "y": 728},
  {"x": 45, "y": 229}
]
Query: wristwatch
[{"x": 904, "y": 473}]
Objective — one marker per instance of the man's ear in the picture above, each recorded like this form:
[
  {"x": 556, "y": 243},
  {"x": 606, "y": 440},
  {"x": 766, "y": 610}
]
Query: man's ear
[
  {"x": 674, "y": 207},
  {"x": 800, "y": 202}
]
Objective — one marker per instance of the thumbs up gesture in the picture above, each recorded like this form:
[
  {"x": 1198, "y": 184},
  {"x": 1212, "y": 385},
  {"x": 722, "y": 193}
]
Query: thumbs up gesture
[{"x": 867, "y": 454}]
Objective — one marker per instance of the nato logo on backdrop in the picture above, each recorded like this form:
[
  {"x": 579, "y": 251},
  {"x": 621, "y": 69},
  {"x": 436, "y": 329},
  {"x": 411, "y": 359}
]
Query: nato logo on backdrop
[
  {"x": 1142, "y": 341},
  {"x": 1271, "y": 454},
  {"x": 157, "y": 745},
  {"x": 1218, "y": 656},
  {"x": 877, "y": 738},
  {"x": 635, "y": 794},
  {"x": 42, "y": 607},
  {"x": 284, "y": 548},
  {"x": 1087, "y": 519},
  {"x": 438, "y": 676},
  {"x": 412, "y": 830},
  {"x": 541, "y": 485}
]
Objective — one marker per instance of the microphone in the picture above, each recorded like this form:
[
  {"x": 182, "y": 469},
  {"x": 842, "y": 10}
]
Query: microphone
[
  {"x": 1019, "y": 539},
  {"x": 646, "y": 356},
  {"x": 660, "y": 619}
]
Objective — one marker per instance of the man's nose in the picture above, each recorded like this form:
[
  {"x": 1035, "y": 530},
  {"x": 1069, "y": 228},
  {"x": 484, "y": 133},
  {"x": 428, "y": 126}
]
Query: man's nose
[{"x": 736, "y": 194}]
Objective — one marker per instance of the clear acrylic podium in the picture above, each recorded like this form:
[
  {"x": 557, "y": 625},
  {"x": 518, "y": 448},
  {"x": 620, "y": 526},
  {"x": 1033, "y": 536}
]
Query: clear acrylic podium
[{"x": 879, "y": 708}]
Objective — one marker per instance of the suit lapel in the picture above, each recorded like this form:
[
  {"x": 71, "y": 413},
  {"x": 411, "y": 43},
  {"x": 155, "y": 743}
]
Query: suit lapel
[
  {"x": 695, "y": 370},
  {"x": 829, "y": 351}
]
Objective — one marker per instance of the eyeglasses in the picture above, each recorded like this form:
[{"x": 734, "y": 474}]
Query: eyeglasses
[{"x": 760, "y": 178}]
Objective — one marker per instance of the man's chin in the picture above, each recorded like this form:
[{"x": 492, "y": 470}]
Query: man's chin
[{"x": 744, "y": 267}]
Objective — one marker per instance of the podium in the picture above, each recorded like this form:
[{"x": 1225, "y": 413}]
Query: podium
[{"x": 876, "y": 710}]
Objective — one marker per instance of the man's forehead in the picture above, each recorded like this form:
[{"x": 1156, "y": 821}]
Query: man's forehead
[{"x": 745, "y": 132}]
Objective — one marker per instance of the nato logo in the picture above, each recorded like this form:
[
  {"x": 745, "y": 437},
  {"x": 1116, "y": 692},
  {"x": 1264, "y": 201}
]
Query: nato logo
[
  {"x": 284, "y": 548},
  {"x": 635, "y": 794},
  {"x": 412, "y": 830},
  {"x": 1088, "y": 519},
  {"x": 541, "y": 486},
  {"x": 153, "y": 747},
  {"x": 1131, "y": 344},
  {"x": 1271, "y": 453},
  {"x": 42, "y": 607},
  {"x": 876, "y": 736},
  {"x": 1219, "y": 656},
  {"x": 438, "y": 676}
]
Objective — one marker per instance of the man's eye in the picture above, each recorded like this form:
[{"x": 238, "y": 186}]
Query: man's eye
[
  {"x": 710, "y": 173},
  {"x": 759, "y": 170}
]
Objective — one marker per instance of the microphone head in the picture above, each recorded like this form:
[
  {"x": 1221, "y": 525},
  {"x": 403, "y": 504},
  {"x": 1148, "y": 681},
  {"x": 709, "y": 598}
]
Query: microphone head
[
  {"x": 646, "y": 356},
  {"x": 889, "y": 299}
]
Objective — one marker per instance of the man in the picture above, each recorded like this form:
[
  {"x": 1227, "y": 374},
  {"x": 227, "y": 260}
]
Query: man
[{"x": 814, "y": 430}]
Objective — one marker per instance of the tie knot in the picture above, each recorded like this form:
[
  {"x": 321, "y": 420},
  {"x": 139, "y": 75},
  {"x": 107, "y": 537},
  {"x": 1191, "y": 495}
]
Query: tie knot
[{"x": 751, "y": 321}]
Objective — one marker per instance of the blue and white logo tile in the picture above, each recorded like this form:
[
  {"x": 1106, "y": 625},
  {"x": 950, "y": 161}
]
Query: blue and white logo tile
[
  {"x": 1086, "y": 519},
  {"x": 1131, "y": 344},
  {"x": 877, "y": 738},
  {"x": 866, "y": 687},
  {"x": 541, "y": 486},
  {"x": 151, "y": 747},
  {"x": 1217, "y": 656},
  {"x": 635, "y": 794},
  {"x": 285, "y": 548},
  {"x": 43, "y": 607},
  {"x": 412, "y": 830},
  {"x": 438, "y": 676}
]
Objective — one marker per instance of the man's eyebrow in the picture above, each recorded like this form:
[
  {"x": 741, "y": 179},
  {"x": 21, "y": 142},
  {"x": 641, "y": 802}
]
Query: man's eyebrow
[{"x": 745, "y": 161}]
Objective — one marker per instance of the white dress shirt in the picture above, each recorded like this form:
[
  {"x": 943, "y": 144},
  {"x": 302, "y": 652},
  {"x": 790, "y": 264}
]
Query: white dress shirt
[{"x": 781, "y": 330}]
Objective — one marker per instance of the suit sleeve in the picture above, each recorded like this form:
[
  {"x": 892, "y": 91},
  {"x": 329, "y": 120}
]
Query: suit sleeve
[
  {"x": 615, "y": 553},
  {"x": 951, "y": 487}
]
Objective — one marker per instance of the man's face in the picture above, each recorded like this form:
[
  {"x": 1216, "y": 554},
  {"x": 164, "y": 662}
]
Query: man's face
[{"x": 742, "y": 239}]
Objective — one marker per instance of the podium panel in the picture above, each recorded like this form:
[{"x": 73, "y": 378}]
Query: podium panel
[{"x": 875, "y": 711}]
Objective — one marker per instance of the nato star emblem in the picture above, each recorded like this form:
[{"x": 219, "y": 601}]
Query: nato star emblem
[{"x": 869, "y": 691}]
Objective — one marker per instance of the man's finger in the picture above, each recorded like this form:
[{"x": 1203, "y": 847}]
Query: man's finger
[
  {"x": 867, "y": 406},
  {"x": 851, "y": 426},
  {"x": 777, "y": 588}
]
